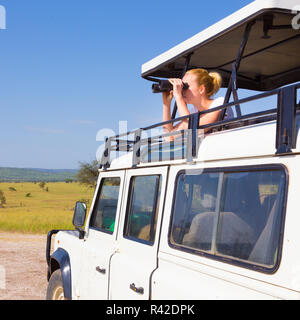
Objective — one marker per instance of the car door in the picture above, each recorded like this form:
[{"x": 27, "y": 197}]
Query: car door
[
  {"x": 100, "y": 241},
  {"x": 138, "y": 236}
]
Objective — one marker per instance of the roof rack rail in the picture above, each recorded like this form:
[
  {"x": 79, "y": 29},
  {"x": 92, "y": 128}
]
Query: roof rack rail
[{"x": 284, "y": 114}]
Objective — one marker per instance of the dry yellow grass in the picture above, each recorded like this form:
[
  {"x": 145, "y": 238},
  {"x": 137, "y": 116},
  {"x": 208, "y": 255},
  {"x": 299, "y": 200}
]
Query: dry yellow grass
[{"x": 43, "y": 210}]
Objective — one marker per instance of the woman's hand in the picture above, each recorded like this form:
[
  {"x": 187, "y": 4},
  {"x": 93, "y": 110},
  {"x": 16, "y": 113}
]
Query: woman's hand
[
  {"x": 178, "y": 95},
  {"x": 177, "y": 87}
]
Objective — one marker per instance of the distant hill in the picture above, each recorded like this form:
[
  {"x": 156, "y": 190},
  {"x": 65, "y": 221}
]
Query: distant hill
[{"x": 34, "y": 174}]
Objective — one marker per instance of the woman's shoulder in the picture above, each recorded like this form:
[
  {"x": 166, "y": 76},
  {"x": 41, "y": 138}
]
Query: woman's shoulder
[
  {"x": 220, "y": 101},
  {"x": 217, "y": 102}
]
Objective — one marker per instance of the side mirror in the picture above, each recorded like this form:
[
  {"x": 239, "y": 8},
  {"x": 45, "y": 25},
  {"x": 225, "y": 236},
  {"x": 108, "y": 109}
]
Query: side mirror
[{"x": 79, "y": 217}]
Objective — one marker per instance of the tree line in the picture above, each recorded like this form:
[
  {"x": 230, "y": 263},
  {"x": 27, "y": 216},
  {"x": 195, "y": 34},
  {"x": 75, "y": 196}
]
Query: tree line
[{"x": 86, "y": 175}]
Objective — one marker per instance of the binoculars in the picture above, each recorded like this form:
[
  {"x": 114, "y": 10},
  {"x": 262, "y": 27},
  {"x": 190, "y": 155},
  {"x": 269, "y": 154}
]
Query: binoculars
[{"x": 165, "y": 86}]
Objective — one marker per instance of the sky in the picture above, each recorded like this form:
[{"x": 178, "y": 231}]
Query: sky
[{"x": 71, "y": 70}]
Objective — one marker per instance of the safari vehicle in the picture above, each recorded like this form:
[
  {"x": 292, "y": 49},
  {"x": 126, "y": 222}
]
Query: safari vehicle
[{"x": 212, "y": 216}]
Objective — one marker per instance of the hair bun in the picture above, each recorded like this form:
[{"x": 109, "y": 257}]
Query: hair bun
[
  {"x": 212, "y": 81},
  {"x": 217, "y": 81}
]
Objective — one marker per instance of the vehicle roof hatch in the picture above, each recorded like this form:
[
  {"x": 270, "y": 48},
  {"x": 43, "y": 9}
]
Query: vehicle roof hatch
[{"x": 271, "y": 57}]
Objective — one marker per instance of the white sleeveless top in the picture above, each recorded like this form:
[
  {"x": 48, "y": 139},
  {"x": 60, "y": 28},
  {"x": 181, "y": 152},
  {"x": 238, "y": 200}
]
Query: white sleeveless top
[{"x": 216, "y": 103}]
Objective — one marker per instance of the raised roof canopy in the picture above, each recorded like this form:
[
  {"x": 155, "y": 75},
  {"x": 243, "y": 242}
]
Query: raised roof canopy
[{"x": 271, "y": 58}]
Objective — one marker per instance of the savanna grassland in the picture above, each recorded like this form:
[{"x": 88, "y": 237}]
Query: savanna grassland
[{"x": 34, "y": 208}]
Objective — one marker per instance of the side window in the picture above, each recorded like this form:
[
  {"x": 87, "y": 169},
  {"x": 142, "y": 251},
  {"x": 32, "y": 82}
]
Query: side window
[
  {"x": 249, "y": 224},
  {"x": 230, "y": 214},
  {"x": 142, "y": 208},
  {"x": 104, "y": 213},
  {"x": 195, "y": 202}
]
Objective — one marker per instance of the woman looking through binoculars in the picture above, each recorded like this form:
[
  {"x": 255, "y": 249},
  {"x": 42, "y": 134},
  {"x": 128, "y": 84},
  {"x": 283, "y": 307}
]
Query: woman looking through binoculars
[{"x": 201, "y": 88}]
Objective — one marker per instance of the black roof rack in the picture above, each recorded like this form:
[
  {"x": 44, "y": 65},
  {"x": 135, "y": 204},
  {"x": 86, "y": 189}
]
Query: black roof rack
[{"x": 284, "y": 114}]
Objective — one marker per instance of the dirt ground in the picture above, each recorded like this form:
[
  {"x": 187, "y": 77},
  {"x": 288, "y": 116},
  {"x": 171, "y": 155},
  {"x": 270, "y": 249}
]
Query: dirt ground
[{"x": 23, "y": 267}]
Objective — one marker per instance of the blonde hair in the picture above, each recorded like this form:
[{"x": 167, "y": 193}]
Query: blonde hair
[{"x": 212, "y": 81}]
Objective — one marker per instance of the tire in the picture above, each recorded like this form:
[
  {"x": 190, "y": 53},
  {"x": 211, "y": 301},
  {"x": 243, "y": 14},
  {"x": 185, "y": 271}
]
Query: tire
[{"x": 55, "y": 290}]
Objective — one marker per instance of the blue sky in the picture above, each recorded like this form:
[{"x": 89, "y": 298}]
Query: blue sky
[{"x": 72, "y": 68}]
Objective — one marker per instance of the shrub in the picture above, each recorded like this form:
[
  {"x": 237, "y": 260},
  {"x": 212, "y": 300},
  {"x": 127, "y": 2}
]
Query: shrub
[{"x": 2, "y": 199}]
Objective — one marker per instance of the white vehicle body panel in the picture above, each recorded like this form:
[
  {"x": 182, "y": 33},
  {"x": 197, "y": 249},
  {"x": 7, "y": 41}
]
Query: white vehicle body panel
[
  {"x": 134, "y": 262},
  {"x": 97, "y": 250},
  {"x": 204, "y": 278}
]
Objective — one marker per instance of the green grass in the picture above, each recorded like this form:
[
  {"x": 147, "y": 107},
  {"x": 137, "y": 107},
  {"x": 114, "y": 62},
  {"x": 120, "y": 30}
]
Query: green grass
[{"x": 43, "y": 210}]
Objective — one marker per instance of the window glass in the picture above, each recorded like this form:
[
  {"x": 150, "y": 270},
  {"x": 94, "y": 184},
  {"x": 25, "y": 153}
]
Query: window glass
[
  {"x": 195, "y": 202},
  {"x": 105, "y": 209},
  {"x": 249, "y": 223},
  {"x": 143, "y": 208},
  {"x": 230, "y": 214}
]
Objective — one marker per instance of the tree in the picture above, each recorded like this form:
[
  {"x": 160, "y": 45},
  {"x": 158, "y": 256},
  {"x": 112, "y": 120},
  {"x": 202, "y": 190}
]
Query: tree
[
  {"x": 88, "y": 173},
  {"x": 2, "y": 199},
  {"x": 42, "y": 184}
]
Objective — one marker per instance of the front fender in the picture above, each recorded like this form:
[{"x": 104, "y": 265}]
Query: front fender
[{"x": 60, "y": 260}]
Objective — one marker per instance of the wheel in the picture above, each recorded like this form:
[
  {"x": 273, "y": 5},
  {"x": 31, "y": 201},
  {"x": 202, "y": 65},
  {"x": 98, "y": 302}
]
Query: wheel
[{"x": 55, "y": 290}]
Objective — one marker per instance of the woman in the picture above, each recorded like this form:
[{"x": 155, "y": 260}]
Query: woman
[{"x": 202, "y": 87}]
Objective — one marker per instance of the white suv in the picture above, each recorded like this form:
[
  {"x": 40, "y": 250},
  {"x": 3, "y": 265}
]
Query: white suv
[{"x": 200, "y": 217}]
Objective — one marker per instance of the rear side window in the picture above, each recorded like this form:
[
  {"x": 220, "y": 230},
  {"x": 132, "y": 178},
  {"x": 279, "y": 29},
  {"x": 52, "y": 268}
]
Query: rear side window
[
  {"x": 142, "y": 209},
  {"x": 104, "y": 214},
  {"x": 235, "y": 215},
  {"x": 195, "y": 196}
]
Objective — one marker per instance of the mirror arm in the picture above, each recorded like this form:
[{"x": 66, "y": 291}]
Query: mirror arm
[{"x": 81, "y": 232}]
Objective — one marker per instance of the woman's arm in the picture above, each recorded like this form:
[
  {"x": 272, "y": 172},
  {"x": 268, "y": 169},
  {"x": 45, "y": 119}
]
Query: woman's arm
[
  {"x": 208, "y": 118},
  {"x": 167, "y": 99},
  {"x": 181, "y": 106}
]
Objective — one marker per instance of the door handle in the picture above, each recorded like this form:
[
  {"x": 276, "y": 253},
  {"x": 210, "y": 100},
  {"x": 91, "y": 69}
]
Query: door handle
[
  {"x": 103, "y": 271},
  {"x": 137, "y": 290}
]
